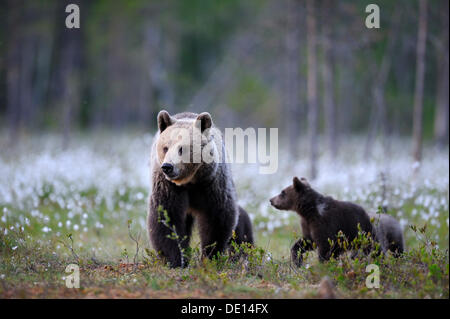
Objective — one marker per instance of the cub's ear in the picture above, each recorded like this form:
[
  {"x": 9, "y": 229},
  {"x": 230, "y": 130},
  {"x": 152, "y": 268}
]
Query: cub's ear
[
  {"x": 298, "y": 185},
  {"x": 204, "y": 120},
  {"x": 164, "y": 120}
]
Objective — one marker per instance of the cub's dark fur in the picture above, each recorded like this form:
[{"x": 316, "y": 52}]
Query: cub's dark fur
[
  {"x": 321, "y": 219},
  {"x": 243, "y": 230},
  {"x": 388, "y": 233}
]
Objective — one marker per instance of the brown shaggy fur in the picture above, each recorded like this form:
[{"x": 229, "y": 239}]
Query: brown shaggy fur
[
  {"x": 321, "y": 219},
  {"x": 388, "y": 233},
  {"x": 202, "y": 192},
  {"x": 243, "y": 230}
]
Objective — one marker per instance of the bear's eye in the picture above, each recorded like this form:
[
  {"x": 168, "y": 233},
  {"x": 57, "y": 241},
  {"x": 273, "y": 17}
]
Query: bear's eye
[
  {"x": 165, "y": 149},
  {"x": 283, "y": 193},
  {"x": 180, "y": 151}
]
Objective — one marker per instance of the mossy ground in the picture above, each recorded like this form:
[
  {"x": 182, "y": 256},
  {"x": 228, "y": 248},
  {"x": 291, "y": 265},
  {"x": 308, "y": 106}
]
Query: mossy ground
[{"x": 33, "y": 265}]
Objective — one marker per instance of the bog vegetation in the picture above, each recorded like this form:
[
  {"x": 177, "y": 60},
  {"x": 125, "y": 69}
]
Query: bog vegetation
[{"x": 87, "y": 205}]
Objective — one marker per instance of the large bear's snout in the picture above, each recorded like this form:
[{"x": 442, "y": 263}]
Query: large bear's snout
[{"x": 167, "y": 169}]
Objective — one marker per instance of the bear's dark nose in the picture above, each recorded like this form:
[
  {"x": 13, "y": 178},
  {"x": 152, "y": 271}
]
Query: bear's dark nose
[
  {"x": 273, "y": 203},
  {"x": 167, "y": 168}
]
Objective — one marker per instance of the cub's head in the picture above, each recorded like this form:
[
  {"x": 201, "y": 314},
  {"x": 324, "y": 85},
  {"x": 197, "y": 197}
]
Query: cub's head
[
  {"x": 292, "y": 196},
  {"x": 184, "y": 145}
]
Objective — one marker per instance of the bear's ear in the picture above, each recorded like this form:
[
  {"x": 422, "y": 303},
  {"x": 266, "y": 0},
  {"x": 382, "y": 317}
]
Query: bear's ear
[
  {"x": 298, "y": 185},
  {"x": 204, "y": 121},
  {"x": 164, "y": 120}
]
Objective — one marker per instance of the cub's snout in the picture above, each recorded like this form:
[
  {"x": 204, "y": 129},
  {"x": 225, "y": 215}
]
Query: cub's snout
[
  {"x": 272, "y": 201},
  {"x": 275, "y": 202}
]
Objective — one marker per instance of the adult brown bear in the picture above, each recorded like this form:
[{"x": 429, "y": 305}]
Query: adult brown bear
[{"x": 192, "y": 181}]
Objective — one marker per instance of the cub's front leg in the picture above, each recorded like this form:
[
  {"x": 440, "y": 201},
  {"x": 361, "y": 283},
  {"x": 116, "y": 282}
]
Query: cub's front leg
[{"x": 301, "y": 246}]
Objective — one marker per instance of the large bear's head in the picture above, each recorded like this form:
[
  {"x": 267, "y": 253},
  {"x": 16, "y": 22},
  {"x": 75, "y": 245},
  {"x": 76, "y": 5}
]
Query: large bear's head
[{"x": 186, "y": 142}]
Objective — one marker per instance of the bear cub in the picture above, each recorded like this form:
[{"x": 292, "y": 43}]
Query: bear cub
[
  {"x": 243, "y": 230},
  {"x": 388, "y": 233},
  {"x": 321, "y": 218}
]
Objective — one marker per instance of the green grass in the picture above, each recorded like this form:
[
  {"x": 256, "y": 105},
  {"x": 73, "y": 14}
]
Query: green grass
[{"x": 33, "y": 258}]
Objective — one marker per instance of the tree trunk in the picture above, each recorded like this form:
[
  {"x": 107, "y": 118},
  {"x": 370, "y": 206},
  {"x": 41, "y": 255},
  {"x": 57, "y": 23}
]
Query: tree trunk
[
  {"x": 65, "y": 87},
  {"x": 379, "y": 118},
  {"x": 328, "y": 86},
  {"x": 442, "y": 112},
  {"x": 69, "y": 68},
  {"x": 292, "y": 77},
  {"x": 13, "y": 61},
  {"x": 442, "y": 97},
  {"x": 419, "y": 86},
  {"x": 312, "y": 87},
  {"x": 346, "y": 86}
]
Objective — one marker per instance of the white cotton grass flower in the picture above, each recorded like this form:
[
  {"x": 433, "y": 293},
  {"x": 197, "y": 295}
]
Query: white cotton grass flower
[
  {"x": 116, "y": 165},
  {"x": 98, "y": 225},
  {"x": 139, "y": 196}
]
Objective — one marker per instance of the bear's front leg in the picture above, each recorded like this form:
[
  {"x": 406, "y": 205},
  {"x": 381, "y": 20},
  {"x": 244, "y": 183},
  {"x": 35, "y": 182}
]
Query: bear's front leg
[
  {"x": 326, "y": 251},
  {"x": 216, "y": 228},
  {"x": 167, "y": 222},
  {"x": 300, "y": 247}
]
